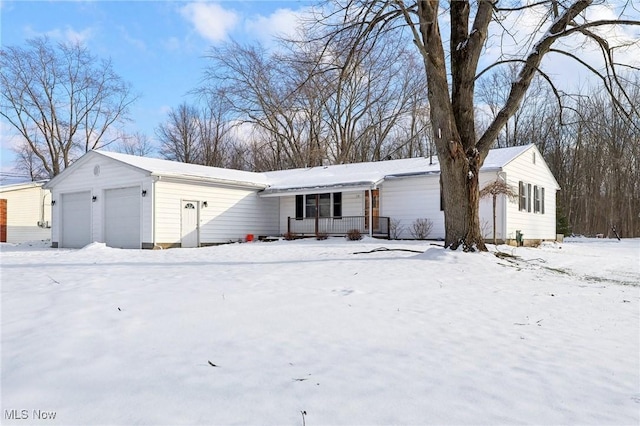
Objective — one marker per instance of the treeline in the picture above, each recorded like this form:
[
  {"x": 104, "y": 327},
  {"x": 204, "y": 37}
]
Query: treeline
[
  {"x": 304, "y": 105},
  {"x": 309, "y": 103}
]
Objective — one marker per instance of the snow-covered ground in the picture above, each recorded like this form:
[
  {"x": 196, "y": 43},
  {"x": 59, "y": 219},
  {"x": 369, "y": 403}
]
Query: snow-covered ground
[{"x": 262, "y": 333}]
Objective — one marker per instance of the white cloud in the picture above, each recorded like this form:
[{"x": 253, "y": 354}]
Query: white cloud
[
  {"x": 67, "y": 34},
  {"x": 281, "y": 23},
  {"x": 210, "y": 20}
]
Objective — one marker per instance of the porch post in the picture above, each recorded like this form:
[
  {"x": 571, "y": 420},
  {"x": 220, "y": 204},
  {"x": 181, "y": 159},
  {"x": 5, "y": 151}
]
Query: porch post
[
  {"x": 317, "y": 212},
  {"x": 370, "y": 212}
]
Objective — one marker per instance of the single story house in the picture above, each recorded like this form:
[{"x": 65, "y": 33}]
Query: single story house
[
  {"x": 25, "y": 212},
  {"x": 136, "y": 202}
]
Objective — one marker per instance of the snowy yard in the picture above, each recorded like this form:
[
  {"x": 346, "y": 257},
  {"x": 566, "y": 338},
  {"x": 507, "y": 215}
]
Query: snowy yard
[{"x": 259, "y": 333}]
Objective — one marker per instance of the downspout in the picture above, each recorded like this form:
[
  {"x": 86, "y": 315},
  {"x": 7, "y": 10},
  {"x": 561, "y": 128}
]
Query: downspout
[
  {"x": 153, "y": 211},
  {"x": 317, "y": 212},
  {"x": 42, "y": 208}
]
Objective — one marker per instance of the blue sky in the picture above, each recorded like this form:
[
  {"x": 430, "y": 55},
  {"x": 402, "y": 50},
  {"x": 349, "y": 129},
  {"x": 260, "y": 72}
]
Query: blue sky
[{"x": 157, "y": 46}]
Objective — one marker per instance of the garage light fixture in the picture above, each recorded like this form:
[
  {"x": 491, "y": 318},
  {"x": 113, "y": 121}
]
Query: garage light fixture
[
  {"x": 205, "y": 204},
  {"x": 95, "y": 198},
  {"x": 53, "y": 202},
  {"x": 144, "y": 192}
]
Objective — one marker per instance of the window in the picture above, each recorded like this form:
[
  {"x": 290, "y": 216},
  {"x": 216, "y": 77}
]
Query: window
[
  {"x": 538, "y": 199},
  {"x": 310, "y": 206},
  {"x": 321, "y": 204},
  {"x": 528, "y": 197},
  {"x": 524, "y": 195}
]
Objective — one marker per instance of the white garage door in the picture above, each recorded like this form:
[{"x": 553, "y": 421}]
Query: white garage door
[
  {"x": 76, "y": 220},
  {"x": 122, "y": 217}
]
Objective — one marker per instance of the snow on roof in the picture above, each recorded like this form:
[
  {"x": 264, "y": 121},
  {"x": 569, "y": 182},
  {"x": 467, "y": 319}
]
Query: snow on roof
[
  {"x": 354, "y": 175},
  {"x": 156, "y": 166},
  {"x": 22, "y": 185},
  {"x": 500, "y": 157},
  {"x": 345, "y": 175}
]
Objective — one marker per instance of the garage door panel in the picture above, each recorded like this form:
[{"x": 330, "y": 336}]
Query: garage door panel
[
  {"x": 122, "y": 217},
  {"x": 76, "y": 219}
]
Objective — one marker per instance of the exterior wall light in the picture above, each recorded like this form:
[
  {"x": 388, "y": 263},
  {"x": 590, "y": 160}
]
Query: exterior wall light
[
  {"x": 144, "y": 192},
  {"x": 53, "y": 202},
  {"x": 205, "y": 204},
  {"x": 94, "y": 198}
]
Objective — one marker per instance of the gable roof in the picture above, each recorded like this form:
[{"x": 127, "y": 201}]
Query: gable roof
[
  {"x": 352, "y": 176},
  {"x": 173, "y": 169}
]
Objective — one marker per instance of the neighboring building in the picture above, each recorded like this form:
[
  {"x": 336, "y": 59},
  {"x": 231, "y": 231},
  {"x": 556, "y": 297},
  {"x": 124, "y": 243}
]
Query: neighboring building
[
  {"x": 136, "y": 202},
  {"x": 25, "y": 212}
]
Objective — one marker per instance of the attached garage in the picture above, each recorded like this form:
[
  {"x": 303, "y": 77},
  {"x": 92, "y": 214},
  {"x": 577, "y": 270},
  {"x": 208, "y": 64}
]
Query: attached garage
[
  {"x": 76, "y": 219},
  {"x": 135, "y": 202}
]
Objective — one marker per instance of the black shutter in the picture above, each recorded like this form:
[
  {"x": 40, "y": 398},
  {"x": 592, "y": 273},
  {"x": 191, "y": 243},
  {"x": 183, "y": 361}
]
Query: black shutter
[
  {"x": 299, "y": 206},
  {"x": 522, "y": 205},
  {"x": 337, "y": 204}
]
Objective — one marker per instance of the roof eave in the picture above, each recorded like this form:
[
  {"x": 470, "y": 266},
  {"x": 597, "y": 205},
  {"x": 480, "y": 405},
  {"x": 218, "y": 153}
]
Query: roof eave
[
  {"x": 217, "y": 181},
  {"x": 343, "y": 187}
]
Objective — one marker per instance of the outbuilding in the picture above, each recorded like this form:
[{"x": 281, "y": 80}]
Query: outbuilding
[
  {"x": 136, "y": 202},
  {"x": 25, "y": 212}
]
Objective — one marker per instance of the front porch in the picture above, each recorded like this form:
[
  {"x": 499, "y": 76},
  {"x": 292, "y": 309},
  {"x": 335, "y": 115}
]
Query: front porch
[{"x": 341, "y": 225}]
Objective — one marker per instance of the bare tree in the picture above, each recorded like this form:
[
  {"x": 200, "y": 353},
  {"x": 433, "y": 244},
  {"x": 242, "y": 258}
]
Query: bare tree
[
  {"x": 451, "y": 66},
  {"x": 494, "y": 189},
  {"x": 135, "y": 144},
  {"x": 179, "y": 135},
  {"x": 61, "y": 100}
]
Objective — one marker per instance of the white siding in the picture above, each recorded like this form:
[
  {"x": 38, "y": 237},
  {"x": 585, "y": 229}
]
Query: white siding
[
  {"x": 408, "y": 199},
  {"x": 486, "y": 209},
  {"x": 112, "y": 175},
  {"x": 230, "y": 215},
  {"x": 26, "y": 207},
  {"x": 533, "y": 225},
  {"x": 353, "y": 203}
]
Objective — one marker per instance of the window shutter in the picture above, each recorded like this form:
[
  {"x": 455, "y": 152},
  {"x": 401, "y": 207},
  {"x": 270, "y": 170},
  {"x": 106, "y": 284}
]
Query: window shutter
[
  {"x": 337, "y": 204},
  {"x": 529, "y": 197},
  {"x": 299, "y": 206},
  {"x": 542, "y": 200},
  {"x": 441, "y": 196},
  {"x": 521, "y": 196}
]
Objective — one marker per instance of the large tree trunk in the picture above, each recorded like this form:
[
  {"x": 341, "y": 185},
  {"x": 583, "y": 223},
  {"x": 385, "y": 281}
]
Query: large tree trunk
[
  {"x": 460, "y": 180},
  {"x": 459, "y": 166}
]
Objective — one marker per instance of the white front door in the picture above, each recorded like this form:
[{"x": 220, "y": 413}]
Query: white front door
[{"x": 189, "y": 224}]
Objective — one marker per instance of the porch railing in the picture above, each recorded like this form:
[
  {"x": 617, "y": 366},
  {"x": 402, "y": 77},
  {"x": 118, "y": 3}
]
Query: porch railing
[{"x": 338, "y": 225}]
